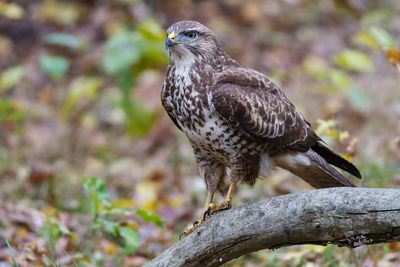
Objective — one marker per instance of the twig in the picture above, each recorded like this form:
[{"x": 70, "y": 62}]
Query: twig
[
  {"x": 72, "y": 259},
  {"x": 52, "y": 263}
]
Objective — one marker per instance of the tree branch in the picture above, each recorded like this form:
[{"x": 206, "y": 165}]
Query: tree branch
[{"x": 343, "y": 216}]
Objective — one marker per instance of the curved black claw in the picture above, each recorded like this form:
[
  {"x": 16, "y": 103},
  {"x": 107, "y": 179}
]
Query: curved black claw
[
  {"x": 206, "y": 213},
  {"x": 183, "y": 233},
  {"x": 195, "y": 223}
]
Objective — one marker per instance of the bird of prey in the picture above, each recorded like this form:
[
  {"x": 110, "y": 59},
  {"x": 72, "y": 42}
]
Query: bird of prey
[{"x": 237, "y": 118}]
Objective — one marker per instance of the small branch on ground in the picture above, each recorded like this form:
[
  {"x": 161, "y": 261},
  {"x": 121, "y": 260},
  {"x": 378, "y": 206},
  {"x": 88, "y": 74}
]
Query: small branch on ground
[{"x": 343, "y": 216}]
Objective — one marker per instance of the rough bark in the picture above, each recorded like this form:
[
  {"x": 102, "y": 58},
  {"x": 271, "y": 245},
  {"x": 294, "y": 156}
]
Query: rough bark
[{"x": 343, "y": 216}]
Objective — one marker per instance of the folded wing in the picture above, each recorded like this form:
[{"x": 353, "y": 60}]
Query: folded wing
[{"x": 255, "y": 105}]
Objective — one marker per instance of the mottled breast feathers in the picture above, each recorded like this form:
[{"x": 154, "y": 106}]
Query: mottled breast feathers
[{"x": 253, "y": 103}]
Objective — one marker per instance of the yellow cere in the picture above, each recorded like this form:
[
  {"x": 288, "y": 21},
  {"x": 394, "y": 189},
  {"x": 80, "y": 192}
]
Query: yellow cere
[{"x": 171, "y": 36}]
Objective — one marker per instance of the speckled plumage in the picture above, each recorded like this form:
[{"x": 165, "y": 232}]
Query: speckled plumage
[{"x": 237, "y": 118}]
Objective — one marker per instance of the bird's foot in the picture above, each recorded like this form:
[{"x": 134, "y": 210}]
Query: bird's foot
[
  {"x": 188, "y": 231},
  {"x": 213, "y": 208},
  {"x": 210, "y": 209}
]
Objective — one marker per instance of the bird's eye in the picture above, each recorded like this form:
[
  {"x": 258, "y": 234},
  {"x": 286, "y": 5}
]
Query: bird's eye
[{"x": 191, "y": 34}]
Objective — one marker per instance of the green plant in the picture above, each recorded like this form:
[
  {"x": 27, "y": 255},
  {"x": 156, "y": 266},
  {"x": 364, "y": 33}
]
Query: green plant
[
  {"x": 11, "y": 77},
  {"x": 63, "y": 39},
  {"x": 12, "y": 253},
  {"x": 333, "y": 77},
  {"x": 51, "y": 232},
  {"x": 103, "y": 209},
  {"x": 55, "y": 66},
  {"x": 11, "y": 113},
  {"x": 127, "y": 54}
]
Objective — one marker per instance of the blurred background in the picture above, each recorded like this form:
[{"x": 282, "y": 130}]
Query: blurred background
[{"x": 94, "y": 173}]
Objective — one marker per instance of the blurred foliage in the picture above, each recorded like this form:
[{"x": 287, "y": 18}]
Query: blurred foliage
[
  {"x": 80, "y": 88},
  {"x": 103, "y": 209},
  {"x": 51, "y": 232},
  {"x": 56, "y": 67},
  {"x": 127, "y": 54},
  {"x": 11, "y": 77},
  {"x": 135, "y": 50},
  {"x": 10, "y": 113},
  {"x": 63, "y": 12},
  {"x": 11, "y": 10},
  {"x": 393, "y": 56},
  {"x": 383, "y": 171},
  {"x": 79, "y": 92},
  {"x": 382, "y": 38},
  {"x": 63, "y": 39},
  {"x": 12, "y": 253},
  {"x": 353, "y": 60}
]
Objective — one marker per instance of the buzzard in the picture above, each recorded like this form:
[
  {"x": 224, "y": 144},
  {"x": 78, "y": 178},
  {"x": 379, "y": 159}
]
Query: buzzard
[{"x": 236, "y": 118}]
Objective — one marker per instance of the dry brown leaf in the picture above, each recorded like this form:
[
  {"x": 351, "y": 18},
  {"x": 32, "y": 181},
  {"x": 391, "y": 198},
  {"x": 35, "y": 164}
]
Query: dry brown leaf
[{"x": 393, "y": 56}]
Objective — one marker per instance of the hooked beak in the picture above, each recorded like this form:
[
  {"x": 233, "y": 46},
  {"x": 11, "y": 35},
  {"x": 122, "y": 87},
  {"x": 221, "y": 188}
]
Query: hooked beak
[{"x": 170, "y": 40}]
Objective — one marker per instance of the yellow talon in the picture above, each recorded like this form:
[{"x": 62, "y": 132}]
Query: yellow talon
[{"x": 211, "y": 208}]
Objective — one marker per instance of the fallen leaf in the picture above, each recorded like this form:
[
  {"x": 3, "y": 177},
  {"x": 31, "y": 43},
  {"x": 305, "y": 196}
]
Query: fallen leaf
[{"x": 393, "y": 56}]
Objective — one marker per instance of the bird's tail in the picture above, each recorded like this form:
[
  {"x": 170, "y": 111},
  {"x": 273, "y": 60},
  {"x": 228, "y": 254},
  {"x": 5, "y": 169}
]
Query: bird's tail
[
  {"x": 313, "y": 169},
  {"x": 332, "y": 158}
]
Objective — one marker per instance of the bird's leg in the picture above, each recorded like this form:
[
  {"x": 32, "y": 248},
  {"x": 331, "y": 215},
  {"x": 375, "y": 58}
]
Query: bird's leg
[
  {"x": 213, "y": 174},
  {"x": 227, "y": 204},
  {"x": 208, "y": 201},
  {"x": 202, "y": 219},
  {"x": 211, "y": 208}
]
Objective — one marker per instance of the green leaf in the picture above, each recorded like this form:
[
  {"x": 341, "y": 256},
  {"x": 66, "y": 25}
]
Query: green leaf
[
  {"x": 377, "y": 16},
  {"x": 63, "y": 39},
  {"x": 358, "y": 99},
  {"x": 138, "y": 119},
  {"x": 54, "y": 66},
  {"x": 131, "y": 240},
  {"x": 327, "y": 255},
  {"x": 111, "y": 227},
  {"x": 154, "y": 55},
  {"x": 80, "y": 88},
  {"x": 61, "y": 12},
  {"x": 51, "y": 232},
  {"x": 121, "y": 52},
  {"x": 364, "y": 38},
  {"x": 353, "y": 60},
  {"x": 151, "y": 30},
  {"x": 138, "y": 49},
  {"x": 149, "y": 216},
  {"x": 126, "y": 81},
  {"x": 9, "y": 111},
  {"x": 382, "y": 169},
  {"x": 126, "y": 2},
  {"x": 11, "y": 77},
  {"x": 98, "y": 194},
  {"x": 382, "y": 37},
  {"x": 340, "y": 79},
  {"x": 316, "y": 67},
  {"x": 324, "y": 125}
]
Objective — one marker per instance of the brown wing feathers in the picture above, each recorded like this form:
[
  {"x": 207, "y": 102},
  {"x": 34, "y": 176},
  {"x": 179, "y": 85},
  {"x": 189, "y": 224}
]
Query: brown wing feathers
[
  {"x": 331, "y": 157},
  {"x": 254, "y": 104},
  {"x": 264, "y": 116}
]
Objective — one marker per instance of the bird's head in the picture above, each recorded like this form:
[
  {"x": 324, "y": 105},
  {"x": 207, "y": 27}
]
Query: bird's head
[{"x": 190, "y": 40}]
